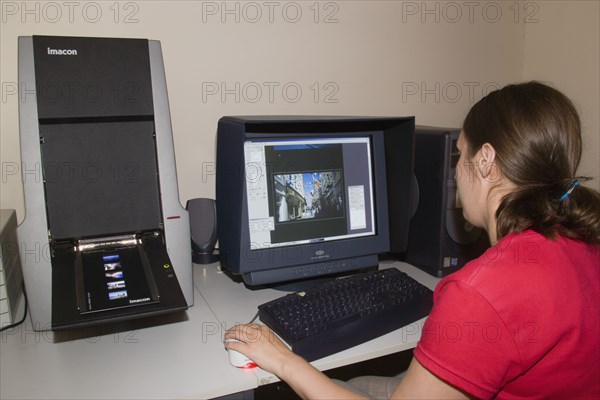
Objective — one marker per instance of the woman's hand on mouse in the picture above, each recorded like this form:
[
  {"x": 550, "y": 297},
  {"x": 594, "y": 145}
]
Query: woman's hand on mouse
[{"x": 261, "y": 345}]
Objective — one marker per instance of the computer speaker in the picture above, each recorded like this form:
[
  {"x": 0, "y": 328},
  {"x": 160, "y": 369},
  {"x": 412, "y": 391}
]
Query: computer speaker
[{"x": 203, "y": 229}]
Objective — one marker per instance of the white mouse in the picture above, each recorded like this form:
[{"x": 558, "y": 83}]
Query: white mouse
[{"x": 239, "y": 360}]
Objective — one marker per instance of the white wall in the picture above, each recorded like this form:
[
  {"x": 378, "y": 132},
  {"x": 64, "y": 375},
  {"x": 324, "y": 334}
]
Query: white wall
[
  {"x": 563, "y": 48},
  {"x": 428, "y": 59}
]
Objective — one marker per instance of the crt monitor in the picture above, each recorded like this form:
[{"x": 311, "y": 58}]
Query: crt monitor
[{"x": 300, "y": 197}]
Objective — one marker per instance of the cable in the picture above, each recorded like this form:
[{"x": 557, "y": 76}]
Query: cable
[
  {"x": 24, "y": 314},
  {"x": 254, "y": 318}
]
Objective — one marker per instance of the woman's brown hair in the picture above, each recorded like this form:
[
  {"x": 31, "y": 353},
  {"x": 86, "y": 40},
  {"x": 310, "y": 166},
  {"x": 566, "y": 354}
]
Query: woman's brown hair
[{"x": 536, "y": 132}]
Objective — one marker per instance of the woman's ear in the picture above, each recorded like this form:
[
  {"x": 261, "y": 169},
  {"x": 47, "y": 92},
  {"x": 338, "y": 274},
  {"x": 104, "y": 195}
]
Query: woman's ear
[{"x": 487, "y": 163}]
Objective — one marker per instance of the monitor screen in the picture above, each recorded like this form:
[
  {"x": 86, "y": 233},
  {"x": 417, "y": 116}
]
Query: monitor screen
[
  {"x": 299, "y": 197},
  {"x": 306, "y": 190}
]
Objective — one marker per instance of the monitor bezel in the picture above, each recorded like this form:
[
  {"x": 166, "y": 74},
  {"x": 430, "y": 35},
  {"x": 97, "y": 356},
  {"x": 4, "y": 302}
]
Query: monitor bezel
[{"x": 282, "y": 262}]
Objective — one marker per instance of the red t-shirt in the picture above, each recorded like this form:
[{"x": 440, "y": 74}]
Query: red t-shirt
[{"x": 521, "y": 321}]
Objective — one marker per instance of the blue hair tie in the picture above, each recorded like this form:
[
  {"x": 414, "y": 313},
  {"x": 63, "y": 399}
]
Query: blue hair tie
[{"x": 574, "y": 184}]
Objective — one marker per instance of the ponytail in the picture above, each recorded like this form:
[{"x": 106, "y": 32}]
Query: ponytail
[{"x": 566, "y": 209}]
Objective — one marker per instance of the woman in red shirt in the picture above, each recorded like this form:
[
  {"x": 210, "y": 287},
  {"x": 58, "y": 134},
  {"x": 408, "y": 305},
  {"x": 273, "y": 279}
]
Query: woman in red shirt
[{"x": 521, "y": 321}]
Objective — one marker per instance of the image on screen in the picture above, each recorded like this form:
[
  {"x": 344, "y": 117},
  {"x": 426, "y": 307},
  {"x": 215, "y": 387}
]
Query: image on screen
[
  {"x": 309, "y": 195},
  {"x": 308, "y": 190}
]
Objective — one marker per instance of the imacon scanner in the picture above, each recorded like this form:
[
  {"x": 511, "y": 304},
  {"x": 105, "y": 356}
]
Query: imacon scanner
[{"x": 104, "y": 237}]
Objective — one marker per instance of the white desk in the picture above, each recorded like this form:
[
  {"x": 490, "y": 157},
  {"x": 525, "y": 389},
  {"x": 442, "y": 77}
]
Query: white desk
[{"x": 180, "y": 356}]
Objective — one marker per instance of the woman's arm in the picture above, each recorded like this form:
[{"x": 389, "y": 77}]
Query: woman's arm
[
  {"x": 263, "y": 347},
  {"x": 419, "y": 383}
]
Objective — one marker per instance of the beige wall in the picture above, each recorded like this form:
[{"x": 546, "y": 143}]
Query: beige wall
[
  {"x": 563, "y": 48},
  {"x": 428, "y": 59}
]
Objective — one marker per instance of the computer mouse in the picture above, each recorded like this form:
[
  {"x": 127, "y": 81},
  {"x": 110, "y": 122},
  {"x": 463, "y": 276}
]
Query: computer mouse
[{"x": 239, "y": 360}]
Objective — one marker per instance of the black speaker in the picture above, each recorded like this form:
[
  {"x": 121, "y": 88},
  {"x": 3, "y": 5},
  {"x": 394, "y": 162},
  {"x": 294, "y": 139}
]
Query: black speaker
[
  {"x": 440, "y": 240},
  {"x": 203, "y": 228}
]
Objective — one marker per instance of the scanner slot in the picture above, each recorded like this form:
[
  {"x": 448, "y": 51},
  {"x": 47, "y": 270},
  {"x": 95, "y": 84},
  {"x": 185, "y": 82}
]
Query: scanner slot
[{"x": 149, "y": 277}]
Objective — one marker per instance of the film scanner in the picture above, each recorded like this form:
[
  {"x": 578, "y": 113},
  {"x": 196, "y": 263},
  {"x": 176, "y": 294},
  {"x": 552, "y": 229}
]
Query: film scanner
[{"x": 104, "y": 237}]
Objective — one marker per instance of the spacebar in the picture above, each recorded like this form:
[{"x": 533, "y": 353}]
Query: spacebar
[{"x": 343, "y": 321}]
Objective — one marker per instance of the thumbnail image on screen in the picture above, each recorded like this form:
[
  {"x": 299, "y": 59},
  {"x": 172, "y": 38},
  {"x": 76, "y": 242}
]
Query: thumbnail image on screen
[
  {"x": 121, "y": 294},
  {"x": 114, "y": 275}
]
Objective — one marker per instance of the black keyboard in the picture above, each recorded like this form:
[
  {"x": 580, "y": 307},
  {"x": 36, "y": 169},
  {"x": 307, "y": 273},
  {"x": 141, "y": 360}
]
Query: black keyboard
[{"x": 345, "y": 312}]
